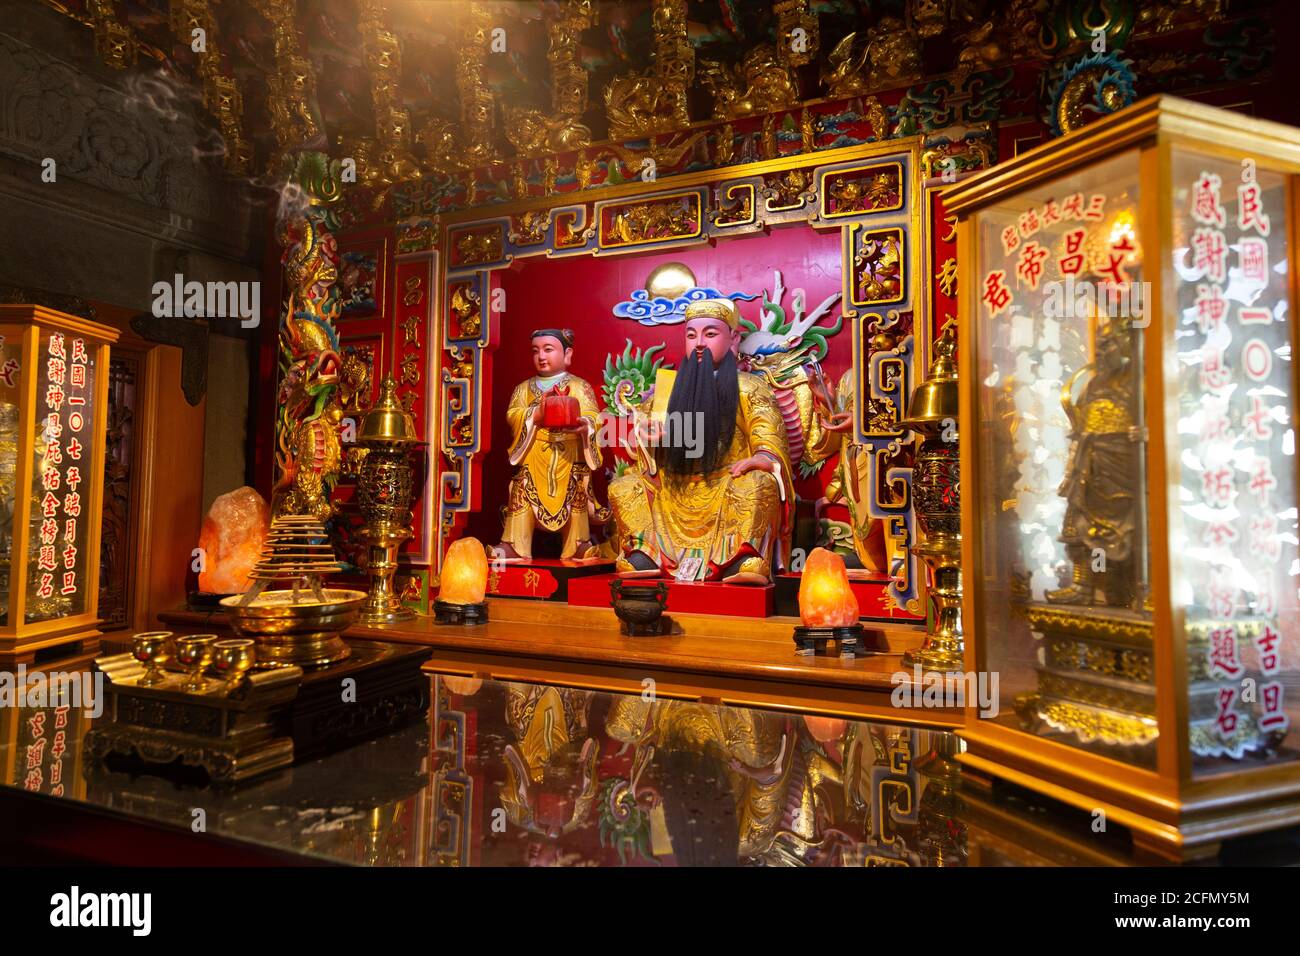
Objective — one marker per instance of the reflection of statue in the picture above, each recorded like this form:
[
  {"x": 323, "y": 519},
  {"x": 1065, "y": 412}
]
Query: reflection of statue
[
  {"x": 793, "y": 805},
  {"x": 1101, "y": 477},
  {"x": 832, "y": 432},
  {"x": 752, "y": 746},
  {"x": 707, "y": 508},
  {"x": 551, "y": 777},
  {"x": 554, "y": 451}
]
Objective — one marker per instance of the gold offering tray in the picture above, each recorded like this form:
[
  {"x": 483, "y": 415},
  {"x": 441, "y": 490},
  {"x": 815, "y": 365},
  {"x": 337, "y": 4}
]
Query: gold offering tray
[
  {"x": 267, "y": 719},
  {"x": 227, "y": 729}
]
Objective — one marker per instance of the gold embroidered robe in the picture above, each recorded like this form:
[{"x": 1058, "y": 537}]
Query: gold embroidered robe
[{"x": 712, "y": 517}]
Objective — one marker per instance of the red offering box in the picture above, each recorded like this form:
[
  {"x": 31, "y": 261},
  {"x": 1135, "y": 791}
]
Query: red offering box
[{"x": 559, "y": 410}]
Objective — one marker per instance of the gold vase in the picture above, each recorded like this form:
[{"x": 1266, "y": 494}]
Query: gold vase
[
  {"x": 384, "y": 493},
  {"x": 936, "y": 495}
]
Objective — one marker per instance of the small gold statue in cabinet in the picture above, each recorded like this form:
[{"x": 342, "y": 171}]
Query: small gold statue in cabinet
[
  {"x": 1101, "y": 476},
  {"x": 554, "y": 425}
]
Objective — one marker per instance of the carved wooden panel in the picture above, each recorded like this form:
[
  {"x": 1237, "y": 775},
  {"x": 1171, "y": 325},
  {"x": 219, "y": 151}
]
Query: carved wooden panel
[{"x": 116, "y": 584}]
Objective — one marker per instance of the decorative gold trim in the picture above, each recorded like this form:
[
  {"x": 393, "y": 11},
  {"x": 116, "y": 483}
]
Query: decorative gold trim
[
  {"x": 748, "y": 210},
  {"x": 1091, "y": 724},
  {"x": 827, "y": 175},
  {"x": 865, "y": 229},
  {"x": 637, "y": 188},
  {"x": 1137, "y": 125},
  {"x": 638, "y": 217},
  {"x": 1095, "y": 622}
]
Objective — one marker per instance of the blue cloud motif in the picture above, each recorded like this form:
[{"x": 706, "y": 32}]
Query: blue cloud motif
[{"x": 664, "y": 311}]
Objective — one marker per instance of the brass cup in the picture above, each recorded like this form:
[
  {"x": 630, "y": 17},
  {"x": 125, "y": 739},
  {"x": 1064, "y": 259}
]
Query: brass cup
[
  {"x": 146, "y": 648},
  {"x": 194, "y": 653},
  {"x": 232, "y": 659}
]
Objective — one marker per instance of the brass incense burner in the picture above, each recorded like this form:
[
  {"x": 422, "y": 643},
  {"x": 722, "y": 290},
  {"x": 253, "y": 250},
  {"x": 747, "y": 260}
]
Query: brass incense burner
[
  {"x": 933, "y": 414},
  {"x": 300, "y": 625},
  {"x": 384, "y": 492}
]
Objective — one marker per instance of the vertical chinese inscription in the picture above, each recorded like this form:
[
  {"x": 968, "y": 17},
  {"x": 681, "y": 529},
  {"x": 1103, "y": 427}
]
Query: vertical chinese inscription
[{"x": 56, "y": 585}]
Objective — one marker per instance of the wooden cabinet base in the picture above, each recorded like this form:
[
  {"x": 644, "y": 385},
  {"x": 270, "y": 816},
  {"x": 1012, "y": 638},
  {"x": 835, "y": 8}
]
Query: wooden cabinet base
[{"x": 39, "y": 648}]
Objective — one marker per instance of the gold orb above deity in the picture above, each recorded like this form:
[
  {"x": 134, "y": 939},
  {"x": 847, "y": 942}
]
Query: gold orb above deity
[{"x": 670, "y": 280}]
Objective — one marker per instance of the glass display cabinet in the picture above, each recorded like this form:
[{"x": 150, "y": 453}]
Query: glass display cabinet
[
  {"x": 53, "y": 404},
  {"x": 1129, "y": 471}
]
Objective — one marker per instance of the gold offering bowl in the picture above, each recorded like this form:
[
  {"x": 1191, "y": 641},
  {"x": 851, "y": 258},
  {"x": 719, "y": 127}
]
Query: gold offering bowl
[
  {"x": 150, "y": 648},
  {"x": 304, "y": 632},
  {"x": 194, "y": 654},
  {"x": 233, "y": 658}
]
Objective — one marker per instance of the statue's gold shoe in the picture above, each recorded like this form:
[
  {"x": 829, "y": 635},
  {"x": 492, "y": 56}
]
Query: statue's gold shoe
[{"x": 751, "y": 571}]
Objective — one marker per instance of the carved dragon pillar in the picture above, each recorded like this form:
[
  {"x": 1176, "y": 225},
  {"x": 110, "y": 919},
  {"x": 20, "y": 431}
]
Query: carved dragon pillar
[
  {"x": 530, "y": 131},
  {"x": 654, "y": 101},
  {"x": 307, "y": 447}
]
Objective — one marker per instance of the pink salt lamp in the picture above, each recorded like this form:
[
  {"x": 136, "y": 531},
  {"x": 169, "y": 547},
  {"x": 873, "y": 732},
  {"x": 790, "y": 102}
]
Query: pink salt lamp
[
  {"x": 231, "y": 538},
  {"x": 825, "y": 597},
  {"x": 464, "y": 573}
]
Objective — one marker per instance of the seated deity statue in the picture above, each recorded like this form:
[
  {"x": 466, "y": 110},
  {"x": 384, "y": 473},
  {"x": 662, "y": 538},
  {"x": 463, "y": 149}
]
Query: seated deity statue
[
  {"x": 554, "y": 424},
  {"x": 711, "y": 502}
]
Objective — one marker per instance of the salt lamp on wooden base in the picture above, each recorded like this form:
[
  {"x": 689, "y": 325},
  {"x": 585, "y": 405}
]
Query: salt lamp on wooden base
[
  {"x": 230, "y": 542},
  {"x": 828, "y": 609},
  {"x": 444, "y": 613},
  {"x": 463, "y": 584}
]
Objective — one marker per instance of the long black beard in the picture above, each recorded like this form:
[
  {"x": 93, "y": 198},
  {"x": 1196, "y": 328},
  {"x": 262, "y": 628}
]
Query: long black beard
[{"x": 697, "y": 390}]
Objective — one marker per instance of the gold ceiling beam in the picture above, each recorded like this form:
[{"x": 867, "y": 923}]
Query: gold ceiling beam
[
  {"x": 530, "y": 131},
  {"x": 393, "y": 161},
  {"x": 798, "y": 36},
  {"x": 654, "y": 101},
  {"x": 292, "y": 88},
  {"x": 221, "y": 95},
  {"x": 477, "y": 112}
]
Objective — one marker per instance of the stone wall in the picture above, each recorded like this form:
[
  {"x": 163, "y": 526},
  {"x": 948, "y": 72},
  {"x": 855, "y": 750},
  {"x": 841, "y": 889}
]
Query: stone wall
[{"x": 139, "y": 195}]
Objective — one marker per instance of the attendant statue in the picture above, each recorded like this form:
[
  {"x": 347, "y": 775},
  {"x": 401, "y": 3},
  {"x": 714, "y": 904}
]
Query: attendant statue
[
  {"x": 711, "y": 502},
  {"x": 1101, "y": 477},
  {"x": 554, "y": 423},
  {"x": 831, "y": 433}
]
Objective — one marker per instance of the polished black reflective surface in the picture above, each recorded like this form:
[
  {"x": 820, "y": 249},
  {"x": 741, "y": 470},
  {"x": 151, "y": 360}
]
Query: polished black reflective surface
[{"x": 512, "y": 774}]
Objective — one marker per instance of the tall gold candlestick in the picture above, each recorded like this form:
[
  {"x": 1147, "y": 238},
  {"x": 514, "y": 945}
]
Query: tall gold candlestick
[
  {"x": 932, "y": 413},
  {"x": 384, "y": 492}
]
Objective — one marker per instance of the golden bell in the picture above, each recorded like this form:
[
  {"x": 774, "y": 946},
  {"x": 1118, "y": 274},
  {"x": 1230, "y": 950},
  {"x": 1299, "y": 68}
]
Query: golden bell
[
  {"x": 936, "y": 401},
  {"x": 387, "y": 421}
]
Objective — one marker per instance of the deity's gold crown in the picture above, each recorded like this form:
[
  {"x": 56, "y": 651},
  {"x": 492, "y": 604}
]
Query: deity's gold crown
[{"x": 723, "y": 310}]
